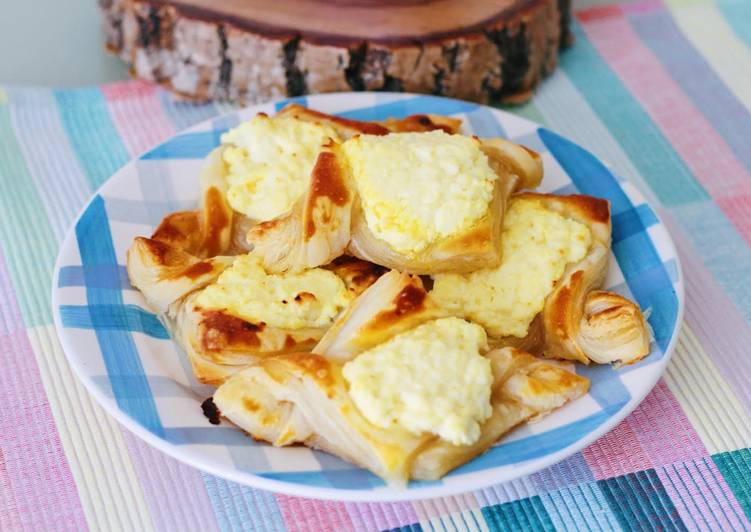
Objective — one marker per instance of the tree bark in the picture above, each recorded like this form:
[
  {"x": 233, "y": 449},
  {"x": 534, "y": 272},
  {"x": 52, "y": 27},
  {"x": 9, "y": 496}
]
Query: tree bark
[{"x": 204, "y": 54}]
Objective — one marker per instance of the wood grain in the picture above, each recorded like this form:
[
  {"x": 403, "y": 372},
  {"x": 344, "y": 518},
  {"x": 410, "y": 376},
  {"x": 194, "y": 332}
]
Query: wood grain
[{"x": 249, "y": 51}]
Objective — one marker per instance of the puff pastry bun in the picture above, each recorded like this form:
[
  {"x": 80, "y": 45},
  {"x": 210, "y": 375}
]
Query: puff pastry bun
[
  {"x": 329, "y": 220},
  {"x": 303, "y": 398},
  {"x": 578, "y": 321},
  {"x": 216, "y": 342},
  {"x": 215, "y": 229}
]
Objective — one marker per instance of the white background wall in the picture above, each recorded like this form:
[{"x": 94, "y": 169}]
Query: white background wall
[{"x": 54, "y": 42}]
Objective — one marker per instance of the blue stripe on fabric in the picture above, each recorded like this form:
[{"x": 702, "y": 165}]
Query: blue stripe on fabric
[
  {"x": 572, "y": 470},
  {"x": 524, "y": 514},
  {"x": 738, "y": 15},
  {"x": 114, "y": 277},
  {"x": 640, "y": 502},
  {"x": 299, "y": 100},
  {"x": 580, "y": 506},
  {"x": 196, "y": 145},
  {"x": 485, "y": 124},
  {"x": 409, "y": 106},
  {"x": 130, "y": 318},
  {"x": 641, "y": 140},
  {"x": 58, "y": 178},
  {"x": 414, "y": 527},
  {"x": 642, "y": 267},
  {"x": 117, "y": 347},
  {"x": 697, "y": 78},
  {"x": 238, "y": 507},
  {"x": 185, "y": 114},
  {"x": 92, "y": 134},
  {"x": 539, "y": 444},
  {"x": 722, "y": 249}
]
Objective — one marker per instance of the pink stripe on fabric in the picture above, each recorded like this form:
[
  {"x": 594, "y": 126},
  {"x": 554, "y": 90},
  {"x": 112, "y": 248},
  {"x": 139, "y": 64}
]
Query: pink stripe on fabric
[
  {"x": 313, "y": 515},
  {"x": 35, "y": 470},
  {"x": 445, "y": 506},
  {"x": 381, "y": 516},
  {"x": 704, "y": 150},
  {"x": 174, "y": 492},
  {"x": 138, "y": 115},
  {"x": 663, "y": 429},
  {"x": 10, "y": 518},
  {"x": 642, "y": 6},
  {"x": 738, "y": 208},
  {"x": 617, "y": 453},
  {"x": 703, "y": 499}
]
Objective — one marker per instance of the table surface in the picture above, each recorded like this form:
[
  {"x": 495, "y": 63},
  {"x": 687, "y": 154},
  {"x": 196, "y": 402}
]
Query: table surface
[{"x": 661, "y": 90}]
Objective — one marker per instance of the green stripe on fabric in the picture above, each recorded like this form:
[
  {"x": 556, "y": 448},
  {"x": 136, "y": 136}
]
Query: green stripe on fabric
[
  {"x": 640, "y": 502},
  {"x": 524, "y": 514},
  {"x": 28, "y": 242},
  {"x": 735, "y": 466},
  {"x": 654, "y": 157},
  {"x": 737, "y": 13},
  {"x": 87, "y": 121}
]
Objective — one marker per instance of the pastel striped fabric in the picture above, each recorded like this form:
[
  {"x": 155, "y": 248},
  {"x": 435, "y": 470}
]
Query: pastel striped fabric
[{"x": 659, "y": 90}]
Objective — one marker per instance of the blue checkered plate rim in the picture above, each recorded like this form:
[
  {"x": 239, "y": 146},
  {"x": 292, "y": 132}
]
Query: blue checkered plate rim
[{"x": 124, "y": 356}]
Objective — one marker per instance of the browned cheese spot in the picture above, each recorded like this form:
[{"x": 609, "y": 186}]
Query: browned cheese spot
[
  {"x": 326, "y": 181},
  {"x": 198, "y": 269},
  {"x": 409, "y": 300},
  {"x": 221, "y": 330},
  {"x": 369, "y": 128}
]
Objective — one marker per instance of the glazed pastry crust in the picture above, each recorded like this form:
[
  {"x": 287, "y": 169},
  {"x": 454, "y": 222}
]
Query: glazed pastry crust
[
  {"x": 329, "y": 221},
  {"x": 579, "y": 321},
  {"x": 395, "y": 303},
  {"x": 169, "y": 270},
  {"x": 303, "y": 398}
]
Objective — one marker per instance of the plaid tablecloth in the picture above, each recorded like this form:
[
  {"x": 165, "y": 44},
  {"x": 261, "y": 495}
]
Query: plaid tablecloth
[{"x": 659, "y": 90}]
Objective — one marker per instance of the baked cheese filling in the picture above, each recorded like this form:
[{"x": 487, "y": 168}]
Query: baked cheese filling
[
  {"x": 312, "y": 298},
  {"x": 537, "y": 245},
  {"x": 429, "y": 379},
  {"x": 269, "y": 161},
  {"x": 417, "y": 188}
]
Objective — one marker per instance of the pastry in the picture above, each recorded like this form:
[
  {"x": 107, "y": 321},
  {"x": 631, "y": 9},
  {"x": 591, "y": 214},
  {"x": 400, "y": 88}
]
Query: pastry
[
  {"x": 544, "y": 296},
  {"x": 381, "y": 291},
  {"x": 418, "y": 202},
  {"x": 226, "y": 311},
  {"x": 306, "y": 398}
]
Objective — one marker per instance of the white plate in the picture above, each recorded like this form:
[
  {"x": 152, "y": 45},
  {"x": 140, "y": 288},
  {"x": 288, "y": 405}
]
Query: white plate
[{"x": 123, "y": 355}]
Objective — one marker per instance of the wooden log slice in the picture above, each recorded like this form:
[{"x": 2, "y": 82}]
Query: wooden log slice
[{"x": 248, "y": 51}]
